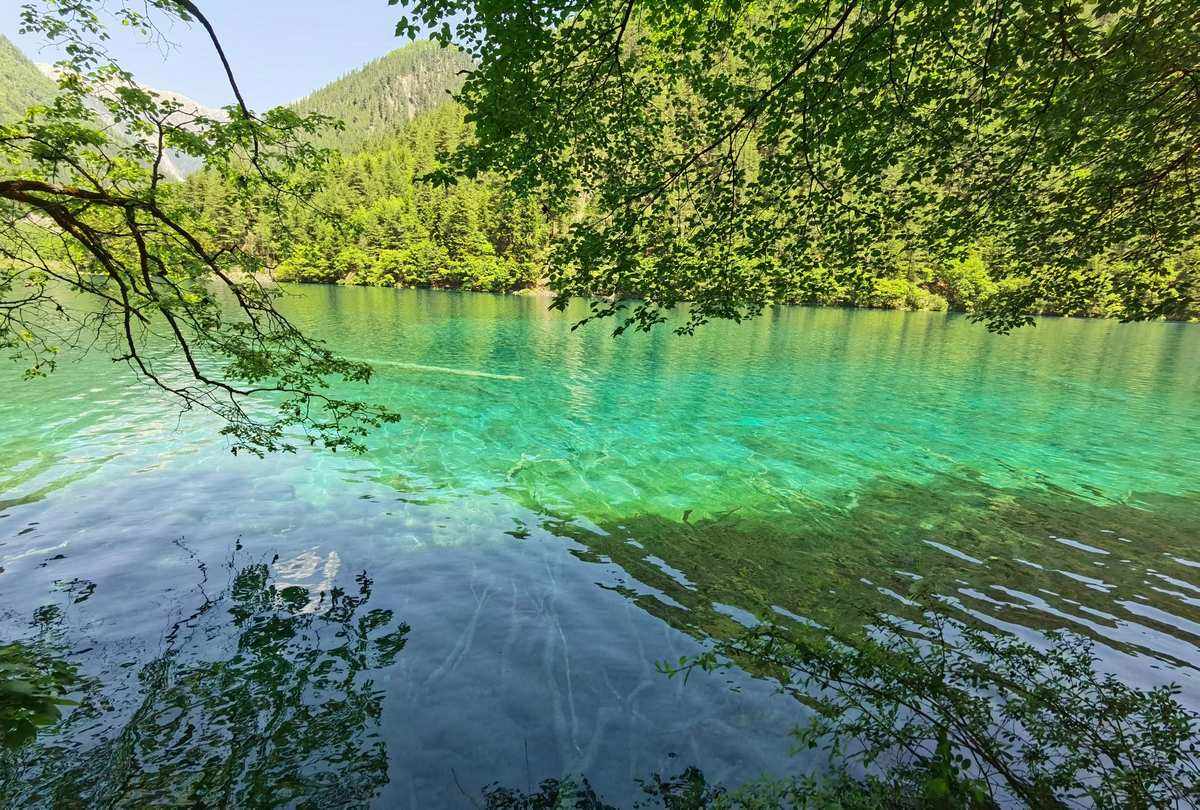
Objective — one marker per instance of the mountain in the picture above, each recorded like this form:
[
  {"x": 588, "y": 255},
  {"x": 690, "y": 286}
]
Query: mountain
[
  {"x": 382, "y": 96},
  {"x": 23, "y": 85},
  {"x": 26, "y": 84},
  {"x": 175, "y": 165},
  {"x": 375, "y": 101}
]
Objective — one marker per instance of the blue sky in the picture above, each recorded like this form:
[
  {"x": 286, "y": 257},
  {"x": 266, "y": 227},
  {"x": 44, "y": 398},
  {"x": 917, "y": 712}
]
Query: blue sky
[{"x": 280, "y": 49}]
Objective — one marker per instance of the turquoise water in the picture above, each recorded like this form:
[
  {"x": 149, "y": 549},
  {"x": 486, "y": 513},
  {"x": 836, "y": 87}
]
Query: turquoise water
[{"x": 483, "y": 595}]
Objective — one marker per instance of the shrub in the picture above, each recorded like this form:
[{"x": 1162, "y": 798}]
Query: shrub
[
  {"x": 1173, "y": 293},
  {"x": 900, "y": 293},
  {"x": 888, "y": 293},
  {"x": 307, "y": 263},
  {"x": 418, "y": 264},
  {"x": 489, "y": 273},
  {"x": 1183, "y": 300},
  {"x": 348, "y": 263},
  {"x": 964, "y": 283},
  {"x": 928, "y": 301}
]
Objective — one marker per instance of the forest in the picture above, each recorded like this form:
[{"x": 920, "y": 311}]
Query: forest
[
  {"x": 397, "y": 226},
  {"x": 24, "y": 85},
  {"x": 374, "y": 220},
  {"x": 384, "y": 216}
]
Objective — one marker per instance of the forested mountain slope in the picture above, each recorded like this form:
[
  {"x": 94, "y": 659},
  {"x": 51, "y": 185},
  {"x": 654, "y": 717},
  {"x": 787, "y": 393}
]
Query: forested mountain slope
[
  {"x": 383, "y": 95},
  {"x": 21, "y": 83},
  {"x": 375, "y": 222}
]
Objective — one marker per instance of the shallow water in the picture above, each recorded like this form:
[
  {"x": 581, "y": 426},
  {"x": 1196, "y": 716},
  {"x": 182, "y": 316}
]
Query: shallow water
[{"x": 483, "y": 596}]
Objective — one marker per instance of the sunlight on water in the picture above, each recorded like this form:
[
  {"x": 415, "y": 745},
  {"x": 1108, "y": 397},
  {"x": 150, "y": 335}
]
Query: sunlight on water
[{"x": 559, "y": 510}]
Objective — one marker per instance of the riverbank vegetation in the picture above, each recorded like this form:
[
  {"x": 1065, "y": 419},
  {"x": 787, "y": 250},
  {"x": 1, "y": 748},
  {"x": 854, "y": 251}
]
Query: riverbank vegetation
[
  {"x": 733, "y": 156},
  {"x": 378, "y": 220},
  {"x": 387, "y": 215}
]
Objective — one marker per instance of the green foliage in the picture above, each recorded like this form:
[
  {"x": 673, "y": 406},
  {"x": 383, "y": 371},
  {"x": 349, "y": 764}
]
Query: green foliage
[
  {"x": 97, "y": 251},
  {"x": 930, "y": 712},
  {"x": 389, "y": 228},
  {"x": 1174, "y": 292},
  {"x": 1179, "y": 295},
  {"x": 965, "y": 283},
  {"x": 726, "y": 245},
  {"x": 900, "y": 293},
  {"x": 738, "y": 154}
]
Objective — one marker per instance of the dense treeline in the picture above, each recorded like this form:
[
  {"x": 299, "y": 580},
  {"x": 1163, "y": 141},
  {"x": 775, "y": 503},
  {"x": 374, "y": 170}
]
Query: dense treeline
[
  {"x": 903, "y": 278},
  {"x": 379, "y": 221},
  {"x": 738, "y": 155},
  {"x": 374, "y": 221}
]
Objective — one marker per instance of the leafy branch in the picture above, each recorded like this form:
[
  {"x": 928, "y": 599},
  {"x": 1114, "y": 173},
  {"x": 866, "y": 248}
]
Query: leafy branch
[{"x": 96, "y": 250}]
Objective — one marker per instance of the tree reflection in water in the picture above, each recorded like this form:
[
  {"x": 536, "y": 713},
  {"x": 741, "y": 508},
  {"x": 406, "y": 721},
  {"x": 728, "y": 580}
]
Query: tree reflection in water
[
  {"x": 689, "y": 790},
  {"x": 262, "y": 697}
]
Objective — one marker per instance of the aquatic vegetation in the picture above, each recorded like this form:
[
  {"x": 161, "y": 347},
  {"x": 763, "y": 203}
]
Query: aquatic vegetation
[{"x": 998, "y": 553}]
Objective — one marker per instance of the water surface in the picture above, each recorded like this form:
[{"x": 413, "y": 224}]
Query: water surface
[{"x": 483, "y": 596}]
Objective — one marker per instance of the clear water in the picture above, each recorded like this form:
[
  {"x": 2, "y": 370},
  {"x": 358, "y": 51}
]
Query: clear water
[{"x": 482, "y": 597}]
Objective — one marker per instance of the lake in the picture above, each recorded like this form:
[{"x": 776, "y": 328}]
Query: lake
[{"x": 482, "y": 598}]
